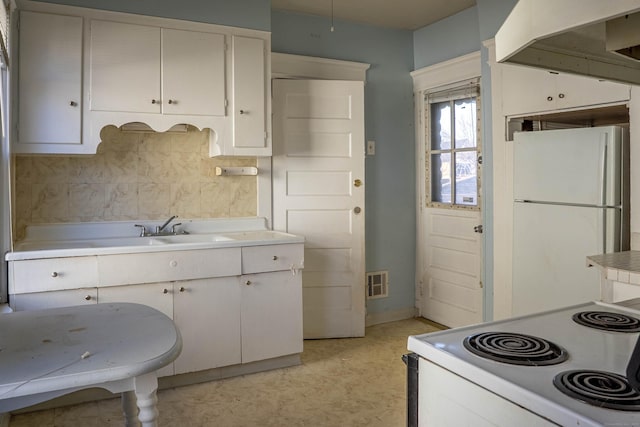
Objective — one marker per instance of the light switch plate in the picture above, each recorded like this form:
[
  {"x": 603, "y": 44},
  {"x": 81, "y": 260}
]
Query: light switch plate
[{"x": 371, "y": 148}]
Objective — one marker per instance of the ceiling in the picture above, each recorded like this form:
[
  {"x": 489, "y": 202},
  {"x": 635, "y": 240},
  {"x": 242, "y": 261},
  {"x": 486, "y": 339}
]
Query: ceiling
[{"x": 398, "y": 14}]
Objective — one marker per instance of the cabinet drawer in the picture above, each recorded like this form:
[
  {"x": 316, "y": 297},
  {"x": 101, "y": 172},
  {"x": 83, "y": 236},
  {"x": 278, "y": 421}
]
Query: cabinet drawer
[
  {"x": 257, "y": 259},
  {"x": 127, "y": 269},
  {"x": 54, "y": 299},
  {"x": 52, "y": 274}
]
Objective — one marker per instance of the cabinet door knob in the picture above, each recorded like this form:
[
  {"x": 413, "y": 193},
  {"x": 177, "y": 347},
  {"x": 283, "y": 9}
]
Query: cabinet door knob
[
  {"x": 155, "y": 101},
  {"x": 549, "y": 98},
  {"x": 54, "y": 274},
  {"x": 248, "y": 282},
  {"x": 357, "y": 210},
  {"x": 73, "y": 103},
  {"x": 165, "y": 291},
  {"x": 275, "y": 257},
  {"x": 244, "y": 112},
  {"x": 561, "y": 95},
  {"x": 88, "y": 298},
  {"x": 173, "y": 101},
  {"x": 182, "y": 289}
]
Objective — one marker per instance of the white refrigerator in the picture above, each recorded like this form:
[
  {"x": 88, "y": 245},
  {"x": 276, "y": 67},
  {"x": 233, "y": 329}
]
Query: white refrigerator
[{"x": 569, "y": 202}]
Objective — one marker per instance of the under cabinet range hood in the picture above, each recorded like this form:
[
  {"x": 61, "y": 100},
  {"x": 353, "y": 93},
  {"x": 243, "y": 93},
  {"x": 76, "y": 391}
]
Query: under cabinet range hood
[{"x": 589, "y": 37}]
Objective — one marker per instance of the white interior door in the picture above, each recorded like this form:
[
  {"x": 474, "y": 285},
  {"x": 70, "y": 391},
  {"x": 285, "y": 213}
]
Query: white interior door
[{"x": 318, "y": 192}]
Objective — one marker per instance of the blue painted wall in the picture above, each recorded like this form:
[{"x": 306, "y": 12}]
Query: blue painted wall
[
  {"x": 254, "y": 14},
  {"x": 449, "y": 38},
  {"x": 390, "y": 174},
  {"x": 452, "y": 37}
]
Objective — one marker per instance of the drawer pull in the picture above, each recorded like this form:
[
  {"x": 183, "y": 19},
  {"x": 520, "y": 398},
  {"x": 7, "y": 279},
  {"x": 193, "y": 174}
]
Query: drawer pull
[
  {"x": 165, "y": 291},
  {"x": 88, "y": 298},
  {"x": 275, "y": 257},
  {"x": 248, "y": 282},
  {"x": 54, "y": 274},
  {"x": 182, "y": 289}
]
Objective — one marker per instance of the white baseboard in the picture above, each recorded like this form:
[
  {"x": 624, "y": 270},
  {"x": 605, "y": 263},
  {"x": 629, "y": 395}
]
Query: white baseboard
[{"x": 390, "y": 316}]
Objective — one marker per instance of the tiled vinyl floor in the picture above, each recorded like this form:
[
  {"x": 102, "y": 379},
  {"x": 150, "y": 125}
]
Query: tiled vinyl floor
[{"x": 341, "y": 383}]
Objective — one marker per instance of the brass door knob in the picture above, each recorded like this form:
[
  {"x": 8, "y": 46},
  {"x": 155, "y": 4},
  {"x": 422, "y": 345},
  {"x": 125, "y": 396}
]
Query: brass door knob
[
  {"x": 357, "y": 183},
  {"x": 357, "y": 210}
]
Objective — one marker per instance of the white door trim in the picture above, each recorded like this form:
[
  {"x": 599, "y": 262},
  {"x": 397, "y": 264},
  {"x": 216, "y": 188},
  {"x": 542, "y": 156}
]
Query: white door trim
[
  {"x": 285, "y": 65},
  {"x": 445, "y": 73}
]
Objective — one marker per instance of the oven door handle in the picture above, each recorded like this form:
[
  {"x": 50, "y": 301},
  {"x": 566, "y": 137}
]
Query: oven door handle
[{"x": 633, "y": 367}]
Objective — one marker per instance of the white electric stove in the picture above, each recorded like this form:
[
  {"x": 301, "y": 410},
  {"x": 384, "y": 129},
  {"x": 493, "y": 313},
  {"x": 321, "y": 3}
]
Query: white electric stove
[{"x": 563, "y": 367}]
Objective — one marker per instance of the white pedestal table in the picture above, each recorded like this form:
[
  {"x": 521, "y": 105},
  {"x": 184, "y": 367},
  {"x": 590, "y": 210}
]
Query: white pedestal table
[{"x": 119, "y": 347}]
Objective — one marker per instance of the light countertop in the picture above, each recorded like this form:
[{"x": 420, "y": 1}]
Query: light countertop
[
  {"x": 107, "y": 238},
  {"x": 621, "y": 267}
]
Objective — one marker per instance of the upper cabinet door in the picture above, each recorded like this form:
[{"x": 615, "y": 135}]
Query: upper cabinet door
[
  {"x": 50, "y": 79},
  {"x": 531, "y": 90},
  {"x": 193, "y": 73},
  {"x": 249, "y": 94},
  {"x": 125, "y": 67}
]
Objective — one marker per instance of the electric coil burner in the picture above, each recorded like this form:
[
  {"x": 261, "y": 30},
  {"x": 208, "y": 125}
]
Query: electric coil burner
[
  {"x": 515, "y": 349},
  {"x": 602, "y": 389},
  {"x": 541, "y": 369},
  {"x": 607, "y": 321}
]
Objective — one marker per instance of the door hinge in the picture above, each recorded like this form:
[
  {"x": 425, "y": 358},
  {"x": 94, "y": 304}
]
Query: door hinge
[
  {"x": 479, "y": 160},
  {"x": 478, "y": 229}
]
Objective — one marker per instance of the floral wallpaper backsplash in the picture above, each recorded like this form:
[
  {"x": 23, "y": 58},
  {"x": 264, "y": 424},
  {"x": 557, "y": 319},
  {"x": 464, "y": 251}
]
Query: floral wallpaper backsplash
[{"x": 133, "y": 176}]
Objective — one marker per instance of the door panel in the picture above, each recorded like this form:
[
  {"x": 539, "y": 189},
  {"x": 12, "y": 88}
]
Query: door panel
[
  {"x": 318, "y": 155},
  {"x": 451, "y": 276}
]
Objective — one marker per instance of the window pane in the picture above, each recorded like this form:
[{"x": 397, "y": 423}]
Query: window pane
[
  {"x": 466, "y": 125},
  {"x": 466, "y": 178},
  {"x": 441, "y": 178},
  {"x": 441, "y": 126}
]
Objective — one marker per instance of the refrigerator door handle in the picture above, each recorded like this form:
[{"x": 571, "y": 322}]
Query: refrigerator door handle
[
  {"x": 603, "y": 237},
  {"x": 603, "y": 169}
]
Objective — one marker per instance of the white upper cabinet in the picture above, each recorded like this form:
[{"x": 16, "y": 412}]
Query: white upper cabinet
[
  {"x": 250, "y": 100},
  {"x": 249, "y": 112},
  {"x": 49, "y": 81},
  {"x": 125, "y": 67},
  {"x": 193, "y": 68},
  {"x": 144, "y": 69},
  {"x": 82, "y": 69},
  {"x": 531, "y": 90}
]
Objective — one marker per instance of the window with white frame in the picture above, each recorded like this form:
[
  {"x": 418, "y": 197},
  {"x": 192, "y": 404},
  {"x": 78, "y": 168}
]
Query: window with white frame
[{"x": 453, "y": 148}]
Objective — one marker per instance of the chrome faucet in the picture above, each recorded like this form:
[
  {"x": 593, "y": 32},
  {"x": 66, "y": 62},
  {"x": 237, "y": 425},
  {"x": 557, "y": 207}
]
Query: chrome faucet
[{"x": 160, "y": 228}]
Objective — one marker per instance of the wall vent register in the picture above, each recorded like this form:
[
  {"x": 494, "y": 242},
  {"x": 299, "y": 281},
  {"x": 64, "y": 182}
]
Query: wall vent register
[{"x": 377, "y": 284}]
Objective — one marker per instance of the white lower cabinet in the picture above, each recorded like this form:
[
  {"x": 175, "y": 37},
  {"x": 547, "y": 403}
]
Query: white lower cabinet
[
  {"x": 224, "y": 320},
  {"x": 54, "y": 299},
  {"x": 154, "y": 295},
  {"x": 207, "y": 313},
  {"x": 271, "y": 315}
]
